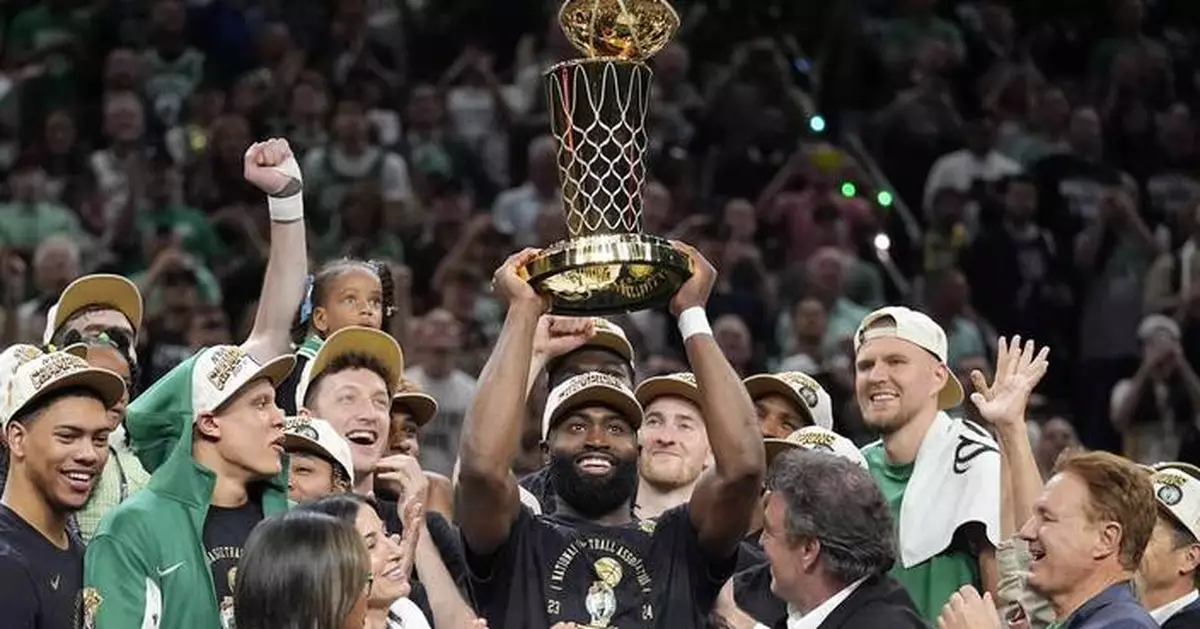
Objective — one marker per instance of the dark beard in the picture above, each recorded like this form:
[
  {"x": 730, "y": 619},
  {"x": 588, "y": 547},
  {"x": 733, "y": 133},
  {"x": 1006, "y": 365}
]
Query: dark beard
[{"x": 592, "y": 497}]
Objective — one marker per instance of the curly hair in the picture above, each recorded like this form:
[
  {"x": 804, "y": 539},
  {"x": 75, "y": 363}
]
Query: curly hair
[{"x": 320, "y": 282}]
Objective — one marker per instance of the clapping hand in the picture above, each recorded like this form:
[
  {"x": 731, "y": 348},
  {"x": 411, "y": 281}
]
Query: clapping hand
[
  {"x": 967, "y": 610},
  {"x": 1018, "y": 371}
]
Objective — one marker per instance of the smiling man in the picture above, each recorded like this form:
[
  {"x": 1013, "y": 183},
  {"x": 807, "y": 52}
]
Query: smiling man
[
  {"x": 55, "y": 419},
  {"x": 591, "y": 562},
  {"x": 349, "y": 383},
  {"x": 674, "y": 444},
  {"x": 1086, "y": 538},
  {"x": 941, "y": 475}
]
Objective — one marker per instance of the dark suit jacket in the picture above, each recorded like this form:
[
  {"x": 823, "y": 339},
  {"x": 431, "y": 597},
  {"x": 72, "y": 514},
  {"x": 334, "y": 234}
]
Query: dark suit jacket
[
  {"x": 879, "y": 603},
  {"x": 1186, "y": 618}
]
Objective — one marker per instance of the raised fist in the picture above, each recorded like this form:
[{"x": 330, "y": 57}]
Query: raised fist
[{"x": 271, "y": 167}]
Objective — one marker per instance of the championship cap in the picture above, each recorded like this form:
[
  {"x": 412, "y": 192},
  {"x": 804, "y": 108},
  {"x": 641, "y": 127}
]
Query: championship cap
[
  {"x": 805, "y": 392},
  {"x": 308, "y": 434},
  {"x": 916, "y": 328},
  {"x": 27, "y": 374},
  {"x": 681, "y": 384},
  {"x": 815, "y": 438},
  {"x": 101, "y": 289},
  {"x": 221, "y": 372},
  {"x": 353, "y": 340},
  {"x": 163, "y": 414},
  {"x": 1177, "y": 489},
  {"x": 587, "y": 390}
]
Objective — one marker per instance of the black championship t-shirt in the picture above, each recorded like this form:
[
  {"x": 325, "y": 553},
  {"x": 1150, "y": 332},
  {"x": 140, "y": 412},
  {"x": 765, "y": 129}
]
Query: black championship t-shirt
[
  {"x": 40, "y": 583},
  {"x": 225, "y": 535},
  {"x": 648, "y": 573}
]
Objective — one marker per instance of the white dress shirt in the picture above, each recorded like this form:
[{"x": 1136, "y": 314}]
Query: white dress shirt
[
  {"x": 1164, "y": 613},
  {"x": 813, "y": 619}
]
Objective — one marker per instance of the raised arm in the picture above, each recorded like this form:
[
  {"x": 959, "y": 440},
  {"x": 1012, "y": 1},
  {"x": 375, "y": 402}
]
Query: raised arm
[
  {"x": 486, "y": 496},
  {"x": 271, "y": 166},
  {"x": 726, "y": 496}
]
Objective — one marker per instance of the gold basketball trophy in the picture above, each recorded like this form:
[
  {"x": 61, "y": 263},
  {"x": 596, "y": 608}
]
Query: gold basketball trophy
[{"x": 598, "y": 115}]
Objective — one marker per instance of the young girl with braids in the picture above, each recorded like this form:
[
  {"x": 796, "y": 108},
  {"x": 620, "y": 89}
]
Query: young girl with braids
[{"x": 342, "y": 293}]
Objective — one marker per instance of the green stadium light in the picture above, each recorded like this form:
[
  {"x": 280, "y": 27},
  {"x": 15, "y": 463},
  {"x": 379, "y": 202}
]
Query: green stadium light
[
  {"x": 817, "y": 124},
  {"x": 849, "y": 190},
  {"x": 884, "y": 198}
]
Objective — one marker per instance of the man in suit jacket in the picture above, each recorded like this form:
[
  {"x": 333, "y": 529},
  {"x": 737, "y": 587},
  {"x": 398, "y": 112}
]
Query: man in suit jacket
[
  {"x": 1167, "y": 577},
  {"x": 828, "y": 536}
]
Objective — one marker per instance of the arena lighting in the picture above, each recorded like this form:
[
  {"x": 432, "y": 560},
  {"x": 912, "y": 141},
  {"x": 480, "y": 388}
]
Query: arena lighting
[
  {"x": 884, "y": 198},
  {"x": 817, "y": 124},
  {"x": 849, "y": 189},
  {"x": 882, "y": 242}
]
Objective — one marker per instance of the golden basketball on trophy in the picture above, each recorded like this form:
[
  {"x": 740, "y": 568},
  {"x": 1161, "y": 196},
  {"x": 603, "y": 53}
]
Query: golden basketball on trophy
[{"x": 598, "y": 116}]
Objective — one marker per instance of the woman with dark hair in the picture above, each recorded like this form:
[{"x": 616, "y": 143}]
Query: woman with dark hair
[
  {"x": 302, "y": 570},
  {"x": 392, "y": 560}
]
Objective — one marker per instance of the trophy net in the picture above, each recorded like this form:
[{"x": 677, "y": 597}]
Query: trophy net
[{"x": 598, "y": 116}]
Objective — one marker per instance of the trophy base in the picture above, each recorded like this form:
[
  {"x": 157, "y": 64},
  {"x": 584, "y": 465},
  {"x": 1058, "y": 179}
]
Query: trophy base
[{"x": 608, "y": 274}]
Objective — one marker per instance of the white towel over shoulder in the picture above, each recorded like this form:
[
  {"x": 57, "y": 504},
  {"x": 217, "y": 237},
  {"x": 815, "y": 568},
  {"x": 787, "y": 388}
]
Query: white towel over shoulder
[{"x": 955, "y": 480}]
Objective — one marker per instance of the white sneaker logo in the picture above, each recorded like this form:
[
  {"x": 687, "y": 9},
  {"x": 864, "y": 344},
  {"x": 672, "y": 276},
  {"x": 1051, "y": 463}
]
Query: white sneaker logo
[{"x": 162, "y": 572}]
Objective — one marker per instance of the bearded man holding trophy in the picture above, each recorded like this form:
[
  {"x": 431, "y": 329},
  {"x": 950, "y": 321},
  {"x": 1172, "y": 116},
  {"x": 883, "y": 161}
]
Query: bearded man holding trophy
[{"x": 591, "y": 563}]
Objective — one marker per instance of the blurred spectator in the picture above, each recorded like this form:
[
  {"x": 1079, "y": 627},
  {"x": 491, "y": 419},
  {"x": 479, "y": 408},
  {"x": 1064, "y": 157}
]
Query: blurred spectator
[
  {"x": 440, "y": 338},
  {"x": 172, "y": 68},
  {"x": 972, "y": 169},
  {"x": 29, "y": 218},
  {"x": 1112, "y": 253},
  {"x": 516, "y": 210},
  {"x": 948, "y": 302},
  {"x": 350, "y": 155},
  {"x": 1158, "y": 409}
]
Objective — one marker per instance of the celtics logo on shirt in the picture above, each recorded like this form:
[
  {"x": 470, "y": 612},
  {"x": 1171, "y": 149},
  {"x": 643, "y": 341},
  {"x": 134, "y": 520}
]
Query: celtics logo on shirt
[
  {"x": 91, "y": 605},
  {"x": 607, "y": 575}
]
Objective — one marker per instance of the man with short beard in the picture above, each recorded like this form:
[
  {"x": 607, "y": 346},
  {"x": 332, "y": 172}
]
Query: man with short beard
[
  {"x": 941, "y": 475},
  {"x": 560, "y": 353},
  {"x": 591, "y": 562},
  {"x": 674, "y": 444},
  {"x": 1168, "y": 574}
]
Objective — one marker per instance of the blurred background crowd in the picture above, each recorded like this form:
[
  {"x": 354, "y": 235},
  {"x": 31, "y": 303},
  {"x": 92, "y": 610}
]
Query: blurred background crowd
[{"x": 1009, "y": 166}]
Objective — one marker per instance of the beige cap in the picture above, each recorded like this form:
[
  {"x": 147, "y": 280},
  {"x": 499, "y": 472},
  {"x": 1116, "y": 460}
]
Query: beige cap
[
  {"x": 353, "y": 340},
  {"x": 916, "y": 328},
  {"x": 612, "y": 337},
  {"x": 588, "y": 389},
  {"x": 815, "y": 438},
  {"x": 805, "y": 392},
  {"x": 682, "y": 385},
  {"x": 421, "y": 406},
  {"x": 101, "y": 289},
  {"x": 1177, "y": 488},
  {"x": 307, "y": 433}
]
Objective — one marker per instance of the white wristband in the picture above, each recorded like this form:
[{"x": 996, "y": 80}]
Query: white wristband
[
  {"x": 694, "y": 321},
  {"x": 285, "y": 209}
]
